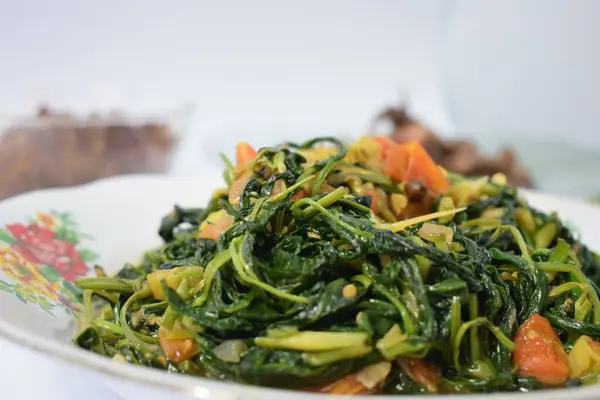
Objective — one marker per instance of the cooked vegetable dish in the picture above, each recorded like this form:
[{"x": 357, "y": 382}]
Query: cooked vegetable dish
[{"x": 359, "y": 269}]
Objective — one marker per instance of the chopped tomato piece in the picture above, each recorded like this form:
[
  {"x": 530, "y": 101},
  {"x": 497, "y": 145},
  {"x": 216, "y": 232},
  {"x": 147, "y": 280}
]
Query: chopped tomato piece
[
  {"x": 244, "y": 154},
  {"x": 176, "y": 350},
  {"x": 215, "y": 224},
  {"x": 409, "y": 162},
  {"x": 539, "y": 352},
  {"x": 422, "y": 168},
  {"x": 386, "y": 145},
  {"x": 300, "y": 195},
  {"x": 374, "y": 200},
  {"x": 396, "y": 161},
  {"x": 421, "y": 372},
  {"x": 238, "y": 186}
]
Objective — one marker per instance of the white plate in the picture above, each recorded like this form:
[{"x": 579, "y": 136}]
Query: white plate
[{"x": 114, "y": 221}]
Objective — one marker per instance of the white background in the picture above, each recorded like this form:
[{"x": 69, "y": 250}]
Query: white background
[
  {"x": 257, "y": 68},
  {"x": 251, "y": 67},
  {"x": 511, "y": 70}
]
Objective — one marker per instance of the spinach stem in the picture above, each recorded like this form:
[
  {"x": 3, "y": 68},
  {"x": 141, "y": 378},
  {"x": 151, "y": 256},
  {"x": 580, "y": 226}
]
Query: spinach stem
[
  {"x": 482, "y": 222},
  {"x": 111, "y": 326},
  {"x": 127, "y": 331},
  {"x": 325, "y": 201},
  {"x": 213, "y": 266},
  {"x": 247, "y": 275},
  {"x": 409, "y": 326},
  {"x": 580, "y": 276},
  {"x": 565, "y": 287},
  {"x": 105, "y": 283},
  {"x": 87, "y": 305},
  {"x": 229, "y": 174},
  {"x": 455, "y": 318},
  {"x": 289, "y": 190},
  {"x": 322, "y": 176},
  {"x": 337, "y": 220},
  {"x": 256, "y": 209},
  {"x": 559, "y": 255},
  {"x": 473, "y": 333},
  {"x": 356, "y": 206},
  {"x": 520, "y": 243},
  {"x": 480, "y": 321},
  {"x": 170, "y": 315}
]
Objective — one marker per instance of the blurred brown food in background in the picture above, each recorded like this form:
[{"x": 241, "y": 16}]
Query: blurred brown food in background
[
  {"x": 56, "y": 150},
  {"x": 460, "y": 156}
]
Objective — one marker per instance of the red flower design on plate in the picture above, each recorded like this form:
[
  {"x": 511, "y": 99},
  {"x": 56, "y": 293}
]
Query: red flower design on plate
[{"x": 39, "y": 244}]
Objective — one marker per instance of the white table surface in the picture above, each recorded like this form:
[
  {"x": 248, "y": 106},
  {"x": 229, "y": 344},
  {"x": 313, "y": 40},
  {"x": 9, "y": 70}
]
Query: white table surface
[{"x": 27, "y": 375}]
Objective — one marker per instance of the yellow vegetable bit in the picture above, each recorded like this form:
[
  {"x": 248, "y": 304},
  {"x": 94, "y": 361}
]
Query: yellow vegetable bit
[
  {"x": 493, "y": 212},
  {"x": 401, "y": 225},
  {"x": 399, "y": 203},
  {"x": 392, "y": 338},
  {"x": 318, "y": 153},
  {"x": 214, "y": 225},
  {"x": 446, "y": 203},
  {"x": 525, "y": 219},
  {"x": 499, "y": 179},
  {"x": 545, "y": 235},
  {"x": 313, "y": 235},
  {"x": 430, "y": 232},
  {"x": 584, "y": 357},
  {"x": 467, "y": 191},
  {"x": 374, "y": 374},
  {"x": 173, "y": 277},
  {"x": 366, "y": 151},
  {"x": 349, "y": 291}
]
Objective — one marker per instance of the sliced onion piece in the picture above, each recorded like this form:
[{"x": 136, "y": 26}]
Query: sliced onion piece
[
  {"x": 373, "y": 375},
  {"x": 429, "y": 232},
  {"x": 230, "y": 351}
]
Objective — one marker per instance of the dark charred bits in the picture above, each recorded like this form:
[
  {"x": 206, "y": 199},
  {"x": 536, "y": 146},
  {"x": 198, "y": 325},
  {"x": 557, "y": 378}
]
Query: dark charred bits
[{"x": 415, "y": 191}]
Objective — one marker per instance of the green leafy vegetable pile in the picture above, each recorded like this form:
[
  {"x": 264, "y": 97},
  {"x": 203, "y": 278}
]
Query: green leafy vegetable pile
[{"x": 307, "y": 285}]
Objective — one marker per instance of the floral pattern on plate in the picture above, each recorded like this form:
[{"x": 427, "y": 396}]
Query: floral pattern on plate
[{"x": 42, "y": 258}]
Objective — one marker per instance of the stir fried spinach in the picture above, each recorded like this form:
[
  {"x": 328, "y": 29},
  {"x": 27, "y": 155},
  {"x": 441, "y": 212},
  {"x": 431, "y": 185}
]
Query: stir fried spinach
[{"x": 314, "y": 267}]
